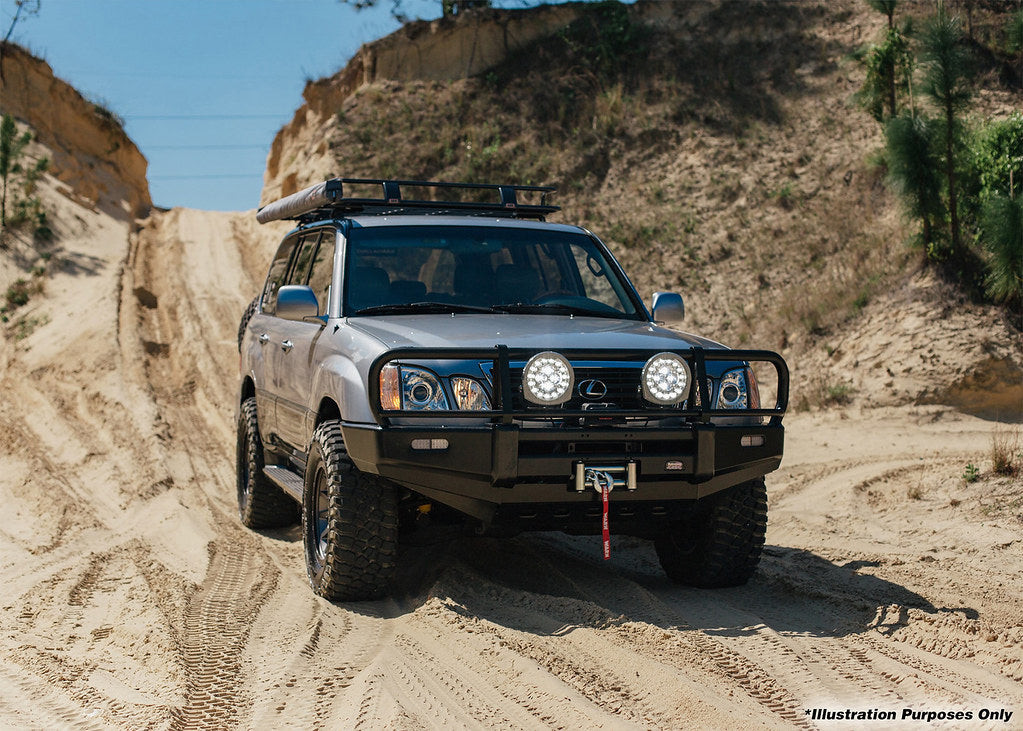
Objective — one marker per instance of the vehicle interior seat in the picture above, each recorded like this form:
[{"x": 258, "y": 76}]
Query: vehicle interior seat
[
  {"x": 516, "y": 283},
  {"x": 407, "y": 291},
  {"x": 368, "y": 287}
]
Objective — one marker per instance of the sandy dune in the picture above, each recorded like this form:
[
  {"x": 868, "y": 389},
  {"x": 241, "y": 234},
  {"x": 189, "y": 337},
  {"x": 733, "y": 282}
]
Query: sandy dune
[{"x": 133, "y": 598}]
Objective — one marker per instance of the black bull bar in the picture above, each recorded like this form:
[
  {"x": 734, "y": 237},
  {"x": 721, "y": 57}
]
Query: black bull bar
[{"x": 503, "y": 410}]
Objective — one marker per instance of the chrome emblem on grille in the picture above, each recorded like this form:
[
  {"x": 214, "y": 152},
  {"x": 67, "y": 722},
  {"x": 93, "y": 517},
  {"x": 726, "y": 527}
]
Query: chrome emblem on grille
[{"x": 592, "y": 389}]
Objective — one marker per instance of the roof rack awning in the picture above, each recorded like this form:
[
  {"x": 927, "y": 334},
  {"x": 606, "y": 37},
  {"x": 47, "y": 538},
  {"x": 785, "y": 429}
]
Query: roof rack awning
[
  {"x": 297, "y": 204},
  {"x": 326, "y": 199}
]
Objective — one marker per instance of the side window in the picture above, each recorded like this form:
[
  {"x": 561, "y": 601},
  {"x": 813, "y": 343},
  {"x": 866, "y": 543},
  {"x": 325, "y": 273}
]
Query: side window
[
  {"x": 278, "y": 270},
  {"x": 323, "y": 269},
  {"x": 300, "y": 269}
]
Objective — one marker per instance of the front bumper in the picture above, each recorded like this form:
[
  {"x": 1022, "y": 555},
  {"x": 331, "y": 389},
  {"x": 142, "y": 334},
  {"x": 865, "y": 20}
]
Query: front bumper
[
  {"x": 493, "y": 465},
  {"x": 516, "y": 463}
]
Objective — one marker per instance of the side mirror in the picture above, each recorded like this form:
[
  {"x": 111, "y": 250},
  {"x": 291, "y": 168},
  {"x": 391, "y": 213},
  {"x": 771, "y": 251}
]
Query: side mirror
[
  {"x": 668, "y": 308},
  {"x": 296, "y": 302}
]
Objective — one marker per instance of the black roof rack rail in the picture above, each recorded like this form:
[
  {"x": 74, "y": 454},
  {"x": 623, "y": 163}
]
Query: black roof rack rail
[{"x": 326, "y": 200}]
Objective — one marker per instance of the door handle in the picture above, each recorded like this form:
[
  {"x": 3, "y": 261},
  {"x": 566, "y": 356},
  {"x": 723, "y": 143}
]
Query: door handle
[
  {"x": 263, "y": 339},
  {"x": 287, "y": 345}
]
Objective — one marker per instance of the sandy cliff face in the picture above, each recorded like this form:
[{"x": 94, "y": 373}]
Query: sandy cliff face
[
  {"x": 439, "y": 50},
  {"x": 91, "y": 154}
]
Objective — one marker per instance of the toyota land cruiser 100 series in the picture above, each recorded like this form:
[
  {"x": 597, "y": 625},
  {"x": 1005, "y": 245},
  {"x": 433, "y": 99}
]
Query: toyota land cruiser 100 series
[{"x": 463, "y": 361}]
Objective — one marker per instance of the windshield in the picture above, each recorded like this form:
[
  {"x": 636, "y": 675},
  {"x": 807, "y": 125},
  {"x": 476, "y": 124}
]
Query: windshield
[{"x": 417, "y": 269}]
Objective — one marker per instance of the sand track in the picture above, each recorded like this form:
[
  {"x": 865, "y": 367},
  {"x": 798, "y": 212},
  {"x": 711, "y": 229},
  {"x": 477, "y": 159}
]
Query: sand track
[{"x": 134, "y": 599}]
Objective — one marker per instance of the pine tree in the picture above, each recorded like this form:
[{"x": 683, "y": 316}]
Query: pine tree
[
  {"x": 947, "y": 69},
  {"x": 914, "y": 171},
  {"x": 888, "y": 66},
  {"x": 1002, "y": 220}
]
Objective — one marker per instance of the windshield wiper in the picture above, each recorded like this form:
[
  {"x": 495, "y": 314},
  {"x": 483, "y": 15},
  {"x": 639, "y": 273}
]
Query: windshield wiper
[
  {"x": 553, "y": 307},
  {"x": 425, "y": 308}
]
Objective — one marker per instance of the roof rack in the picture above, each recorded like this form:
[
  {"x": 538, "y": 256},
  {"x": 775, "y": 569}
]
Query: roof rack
[{"x": 325, "y": 200}]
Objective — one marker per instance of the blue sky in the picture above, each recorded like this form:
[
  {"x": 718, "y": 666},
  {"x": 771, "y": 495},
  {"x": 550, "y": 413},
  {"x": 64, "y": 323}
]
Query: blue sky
[{"x": 203, "y": 85}]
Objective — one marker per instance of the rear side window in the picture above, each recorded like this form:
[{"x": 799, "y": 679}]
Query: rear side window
[
  {"x": 322, "y": 270},
  {"x": 278, "y": 270},
  {"x": 300, "y": 269}
]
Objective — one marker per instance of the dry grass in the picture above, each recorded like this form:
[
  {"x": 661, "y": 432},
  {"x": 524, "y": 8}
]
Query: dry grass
[
  {"x": 815, "y": 391},
  {"x": 1005, "y": 451}
]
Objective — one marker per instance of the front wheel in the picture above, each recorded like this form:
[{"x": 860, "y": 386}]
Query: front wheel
[
  {"x": 349, "y": 523},
  {"x": 721, "y": 546}
]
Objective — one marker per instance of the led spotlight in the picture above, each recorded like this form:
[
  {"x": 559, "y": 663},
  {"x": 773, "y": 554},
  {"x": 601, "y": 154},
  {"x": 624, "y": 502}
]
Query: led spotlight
[
  {"x": 547, "y": 379},
  {"x": 666, "y": 379}
]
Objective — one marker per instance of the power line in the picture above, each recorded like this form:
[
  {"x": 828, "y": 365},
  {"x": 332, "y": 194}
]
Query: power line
[
  {"x": 185, "y": 77},
  {"x": 253, "y": 146},
  {"x": 212, "y": 176},
  {"x": 131, "y": 117}
]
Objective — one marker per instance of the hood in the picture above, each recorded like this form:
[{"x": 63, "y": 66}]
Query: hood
[{"x": 542, "y": 332}]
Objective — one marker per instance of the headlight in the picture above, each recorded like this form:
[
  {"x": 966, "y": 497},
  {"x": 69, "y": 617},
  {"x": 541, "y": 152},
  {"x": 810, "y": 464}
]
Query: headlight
[
  {"x": 408, "y": 388},
  {"x": 469, "y": 394},
  {"x": 738, "y": 390},
  {"x": 547, "y": 379},
  {"x": 666, "y": 379}
]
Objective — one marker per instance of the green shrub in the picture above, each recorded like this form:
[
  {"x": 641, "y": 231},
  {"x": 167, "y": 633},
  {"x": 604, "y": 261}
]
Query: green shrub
[
  {"x": 996, "y": 157},
  {"x": 19, "y": 175},
  {"x": 838, "y": 395},
  {"x": 17, "y": 295},
  {"x": 604, "y": 38}
]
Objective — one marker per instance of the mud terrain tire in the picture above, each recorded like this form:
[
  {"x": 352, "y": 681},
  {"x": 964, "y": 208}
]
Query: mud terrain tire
[
  {"x": 349, "y": 523},
  {"x": 720, "y": 547},
  {"x": 246, "y": 316},
  {"x": 261, "y": 504}
]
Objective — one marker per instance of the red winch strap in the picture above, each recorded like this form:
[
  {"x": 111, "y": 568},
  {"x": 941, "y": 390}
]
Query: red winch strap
[{"x": 605, "y": 493}]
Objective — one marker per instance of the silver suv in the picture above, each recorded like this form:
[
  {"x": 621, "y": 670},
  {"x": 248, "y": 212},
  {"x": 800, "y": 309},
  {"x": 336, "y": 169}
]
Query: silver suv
[{"x": 439, "y": 355}]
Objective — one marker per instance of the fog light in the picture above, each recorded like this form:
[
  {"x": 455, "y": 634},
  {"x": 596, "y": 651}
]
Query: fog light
[
  {"x": 422, "y": 445},
  {"x": 752, "y": 440}
]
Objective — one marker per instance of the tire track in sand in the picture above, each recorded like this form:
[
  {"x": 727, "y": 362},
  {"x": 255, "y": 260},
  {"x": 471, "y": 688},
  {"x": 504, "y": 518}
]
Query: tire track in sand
[
  {"x": 240, "y": 576},
  {"x": 216, "y": 628}
]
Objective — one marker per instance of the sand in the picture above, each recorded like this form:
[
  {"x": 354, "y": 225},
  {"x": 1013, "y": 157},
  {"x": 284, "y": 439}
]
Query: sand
[{"x": 133, "y": 598}]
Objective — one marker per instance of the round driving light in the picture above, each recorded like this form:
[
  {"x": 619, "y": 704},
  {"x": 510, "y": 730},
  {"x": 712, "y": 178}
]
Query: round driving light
[
  {"x": 547, "y": 379},
  {"x": 666, "y": 379}
]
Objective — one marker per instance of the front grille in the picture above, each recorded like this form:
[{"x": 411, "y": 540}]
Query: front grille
[
  {"x": 623, "y": 389},
  {"x": 622, "y": 383}
]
